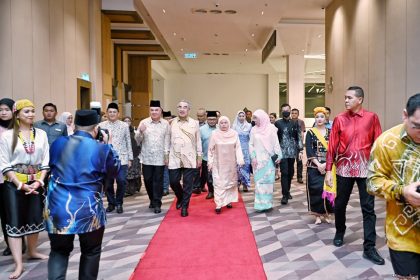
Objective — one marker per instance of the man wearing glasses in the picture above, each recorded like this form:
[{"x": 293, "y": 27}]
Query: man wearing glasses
[{"x": 185, "y": 155}]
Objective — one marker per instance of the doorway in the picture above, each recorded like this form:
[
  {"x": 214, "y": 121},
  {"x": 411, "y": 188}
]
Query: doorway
[{"x": 84, "y": 94}]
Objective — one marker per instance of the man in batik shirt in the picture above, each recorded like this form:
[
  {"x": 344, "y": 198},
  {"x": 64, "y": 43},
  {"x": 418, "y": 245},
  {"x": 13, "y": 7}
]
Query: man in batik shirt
[
  {"x": 184, "y": 155},
  {"x": 394, "y": 174},
  {"x": 74, "y": 205},
  {"x": 351, "y": 139}
]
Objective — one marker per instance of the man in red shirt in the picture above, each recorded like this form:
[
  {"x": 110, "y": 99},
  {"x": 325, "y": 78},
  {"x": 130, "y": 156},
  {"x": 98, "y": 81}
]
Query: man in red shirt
[{"x": 351, "y": 139}]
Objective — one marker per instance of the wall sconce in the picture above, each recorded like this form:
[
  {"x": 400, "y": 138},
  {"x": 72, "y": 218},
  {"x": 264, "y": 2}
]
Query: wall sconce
[{"x": 330, "y": 85}]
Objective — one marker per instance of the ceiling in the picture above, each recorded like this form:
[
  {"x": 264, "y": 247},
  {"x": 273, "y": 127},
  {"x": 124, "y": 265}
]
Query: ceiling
[{"x": 227, "y": 42}]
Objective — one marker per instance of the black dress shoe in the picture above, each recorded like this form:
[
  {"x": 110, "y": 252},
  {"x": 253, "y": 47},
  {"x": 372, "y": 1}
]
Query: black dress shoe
[
  {"x": 229, "y": 205},
  {"x": 210, "y": 195},
  {"x": 7, "y": 252},
  {"x": 338, "y": 239},
  {"x": 120, "y": 209},
  {"x": 289, "y": 196},
  {"x": 373, "y": 255},
  {"x": 110, "y": 208},
  {"x": 284, "y": 200},
  {"x": 184, "y": 212},
  {"x": 218, "y": 210},
  {"x": 196, "y": 191},
  {"x": 151, "y": 206},
  {"x": 203, "y": 190},
  {"x": 157, "y": 210},
  {"x": 178, "y": 205}
]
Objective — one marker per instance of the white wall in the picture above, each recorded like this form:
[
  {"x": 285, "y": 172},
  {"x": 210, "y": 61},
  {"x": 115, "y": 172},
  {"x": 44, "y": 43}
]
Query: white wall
[{"x": 227, "y": 93}]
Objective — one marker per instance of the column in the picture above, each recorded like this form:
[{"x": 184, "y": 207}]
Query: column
[{"x": 296, "y": 82}]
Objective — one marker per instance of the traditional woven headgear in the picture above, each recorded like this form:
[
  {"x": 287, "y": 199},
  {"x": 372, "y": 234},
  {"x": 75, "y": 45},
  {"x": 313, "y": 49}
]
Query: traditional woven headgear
[
  {"x": 320, "y": 110},
  {"x": 22, "y": 103}
]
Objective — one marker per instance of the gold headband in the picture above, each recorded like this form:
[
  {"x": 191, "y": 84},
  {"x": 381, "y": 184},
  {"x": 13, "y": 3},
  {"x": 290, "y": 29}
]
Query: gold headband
[
  {"x": 320, "y": 110},
  {"x": 22, "y": 103}
]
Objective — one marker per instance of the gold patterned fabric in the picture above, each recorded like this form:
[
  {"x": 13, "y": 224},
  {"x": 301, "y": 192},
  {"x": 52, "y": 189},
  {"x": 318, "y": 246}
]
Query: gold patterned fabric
[{"x": 395, "y": 163}]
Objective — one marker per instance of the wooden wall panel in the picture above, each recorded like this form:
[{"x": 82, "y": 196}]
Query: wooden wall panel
[
  {"x": 349, "y": 45},
  {"x": 413, "y": 47},
  {"x": 376, "y": 58},
  {"x": 361, "y": 38},
  {"x": 41, "y": 53},
  {"x": 22, "y": 53},
  {"x": 6, "y": 87},
  {"x": 396, "y": 52},
  {"x": 107, "y": 57},
  {"x": 57, "y": 54},
  {"x": 70, "y": 61},
  {"x": 140, "y": 78}
]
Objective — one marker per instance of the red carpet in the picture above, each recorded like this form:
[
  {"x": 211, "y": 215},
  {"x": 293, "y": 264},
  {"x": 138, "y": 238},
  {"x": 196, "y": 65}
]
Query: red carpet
[{"x": 202, "y": 246}]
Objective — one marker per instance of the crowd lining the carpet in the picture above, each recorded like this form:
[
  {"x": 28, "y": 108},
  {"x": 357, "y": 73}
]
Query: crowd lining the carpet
[{"x": 55, "y": 172}]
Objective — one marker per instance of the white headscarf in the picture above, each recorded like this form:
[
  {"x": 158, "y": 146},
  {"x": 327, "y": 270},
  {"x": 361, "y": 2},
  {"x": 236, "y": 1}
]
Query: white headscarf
[{"x": 238, "y": 126}]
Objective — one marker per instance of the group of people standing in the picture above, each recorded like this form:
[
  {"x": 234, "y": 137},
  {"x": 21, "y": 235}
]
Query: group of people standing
[{"x": 213, "y": 151}]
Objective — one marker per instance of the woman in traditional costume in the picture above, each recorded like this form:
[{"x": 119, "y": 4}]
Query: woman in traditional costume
[
  {"x": 316, "y": 151},
  {"x": 243, "y": 128},
  {"x": 24, "y": 158}
]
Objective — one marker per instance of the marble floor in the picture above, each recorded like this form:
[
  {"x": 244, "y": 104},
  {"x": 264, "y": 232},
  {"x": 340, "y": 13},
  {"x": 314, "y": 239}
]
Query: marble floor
[{"x": 290, "y": 245}]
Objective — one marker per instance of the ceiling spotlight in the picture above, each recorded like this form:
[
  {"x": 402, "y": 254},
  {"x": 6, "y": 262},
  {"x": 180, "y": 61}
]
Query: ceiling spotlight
[
  {"x": 303, "y": 50},
  {"x": 262, "y": 13},
  {"x": 252, "y": 35},
  {"x": 319, "y": 36},
  {"x": 182, "y": 49},
  {"x": 174, "y": 33},
  {"x": 164, "y": 11},
  {"x": 246, "y": 50}
]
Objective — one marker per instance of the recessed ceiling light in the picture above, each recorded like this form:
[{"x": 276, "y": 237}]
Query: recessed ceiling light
[
  {"x": 182, "y": 49},
  {"x": 252, "y": 35},
  {"x": 174, "y": 33},
  {"x": 303, "y": 50},
  {"x": 246, "y": 50},
  {"x": 215, "y": 11},
  {"x": 262, "y": 13},
  {"x": 164, "y": 11},
  {"x": 319, "y": 35},
  {"x": 182, "y": 39},
  {"x": 230, "y": 12}
]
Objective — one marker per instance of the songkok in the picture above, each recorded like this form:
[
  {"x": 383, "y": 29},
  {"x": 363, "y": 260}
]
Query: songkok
[
  {"x": 113, "y": 105},
  {"x": 211, "y": 114},
  {"x": 22, "y": 103},
  {"x": 245, "y": 109},
  {"x": 320, "y": 110},
  {"x": 86, "y": 117},
  {"x": 8, "y": 102},
  {"x": 167, "y": 114},
  {"x": 154, "y": 103}
]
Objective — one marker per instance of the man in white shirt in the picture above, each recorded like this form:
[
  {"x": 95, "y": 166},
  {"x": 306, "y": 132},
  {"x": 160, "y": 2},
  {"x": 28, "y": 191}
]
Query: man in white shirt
[
  {"x": 153, "y": 133},
  {"x": 121, "y": 142}
]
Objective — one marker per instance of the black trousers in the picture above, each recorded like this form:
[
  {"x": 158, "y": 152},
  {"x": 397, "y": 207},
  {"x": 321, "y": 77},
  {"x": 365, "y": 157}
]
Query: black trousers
[
  {"x": 299, "y": 168},
  {"x": 3, "y": 216},
  {"x": 197, "y": 178},
  {"x": 153, "y": 179},
  {"x": 367, "y": 203},
  {"x": 206, "y": 177},
  {"x": 405, "y": 263},
  {"x": 61, "y": 247},
  {"x": 183, "y": 192},
  {"x": 287, "y": 169}
]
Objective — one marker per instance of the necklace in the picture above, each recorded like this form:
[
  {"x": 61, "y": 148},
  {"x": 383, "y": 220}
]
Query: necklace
[{"x": 29, "y": 147}]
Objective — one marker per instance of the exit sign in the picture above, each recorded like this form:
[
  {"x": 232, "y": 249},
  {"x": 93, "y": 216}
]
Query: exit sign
[{"x": 190, "y": 55}]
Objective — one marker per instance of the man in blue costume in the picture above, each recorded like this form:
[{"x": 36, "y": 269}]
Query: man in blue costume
[{"x": 74, "y": 204}]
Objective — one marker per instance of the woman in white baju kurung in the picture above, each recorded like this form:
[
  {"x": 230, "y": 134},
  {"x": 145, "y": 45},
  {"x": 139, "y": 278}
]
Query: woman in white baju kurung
[{"x": 224, "y": 156}]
